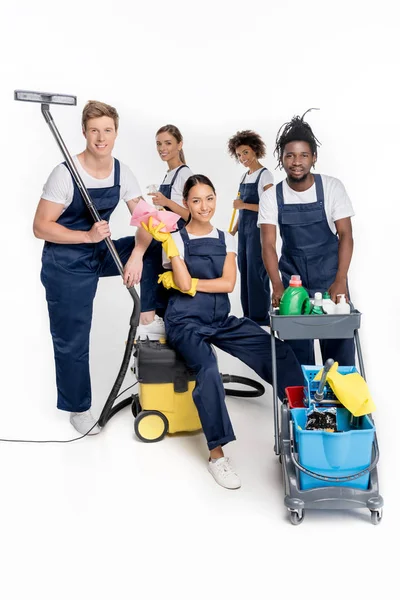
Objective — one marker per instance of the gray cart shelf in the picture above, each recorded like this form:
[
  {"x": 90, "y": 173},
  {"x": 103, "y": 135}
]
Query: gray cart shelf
[{"x": 331, "y": 497}]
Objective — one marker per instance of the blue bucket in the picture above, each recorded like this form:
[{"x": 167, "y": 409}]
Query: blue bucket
[{"x": 339, "y": 454}]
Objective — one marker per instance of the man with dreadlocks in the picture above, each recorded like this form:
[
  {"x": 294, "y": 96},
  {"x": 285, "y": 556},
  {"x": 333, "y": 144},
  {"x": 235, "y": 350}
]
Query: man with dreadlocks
[{"x": 314, "y": 217}]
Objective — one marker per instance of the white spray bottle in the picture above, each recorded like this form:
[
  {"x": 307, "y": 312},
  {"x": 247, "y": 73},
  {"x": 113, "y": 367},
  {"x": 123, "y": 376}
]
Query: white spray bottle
[{"x": 342, "y": 307}]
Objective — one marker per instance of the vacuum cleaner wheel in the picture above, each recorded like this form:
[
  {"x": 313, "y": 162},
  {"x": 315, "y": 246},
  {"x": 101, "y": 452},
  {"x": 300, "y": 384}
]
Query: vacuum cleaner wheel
[{"x": 151, "y": 426}]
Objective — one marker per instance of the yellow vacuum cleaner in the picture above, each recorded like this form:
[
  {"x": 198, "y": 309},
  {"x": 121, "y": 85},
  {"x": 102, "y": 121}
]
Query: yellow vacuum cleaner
[{"x": 164, "y": 403}]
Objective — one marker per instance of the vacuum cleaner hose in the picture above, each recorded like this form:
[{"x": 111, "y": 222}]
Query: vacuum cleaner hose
[
  {"x": 258, "y": 388},
  {"x": 108, "y": 410}
]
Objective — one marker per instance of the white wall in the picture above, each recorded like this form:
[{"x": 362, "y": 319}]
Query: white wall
[{"x": 211, "y": 68}]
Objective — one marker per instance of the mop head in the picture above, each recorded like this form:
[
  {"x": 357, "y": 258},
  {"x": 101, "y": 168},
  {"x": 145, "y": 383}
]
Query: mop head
[{"x": 351, "y": 390}]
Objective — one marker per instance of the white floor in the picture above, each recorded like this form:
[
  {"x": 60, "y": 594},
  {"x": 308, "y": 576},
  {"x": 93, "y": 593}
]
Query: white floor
[{"x": 110, "y": 516}]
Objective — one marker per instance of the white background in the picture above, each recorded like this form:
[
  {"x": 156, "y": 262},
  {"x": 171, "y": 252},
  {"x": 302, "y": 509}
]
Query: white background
[{"x": 110, "y": 516}]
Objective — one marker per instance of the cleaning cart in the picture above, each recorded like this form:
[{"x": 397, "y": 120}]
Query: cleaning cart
[{"x": 321, "y": 469}]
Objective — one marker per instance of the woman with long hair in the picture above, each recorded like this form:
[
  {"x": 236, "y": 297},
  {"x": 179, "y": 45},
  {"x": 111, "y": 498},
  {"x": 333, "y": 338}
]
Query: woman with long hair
[
  {"x": 169, "y": 142},
  {"x": 203, "y": 273}
]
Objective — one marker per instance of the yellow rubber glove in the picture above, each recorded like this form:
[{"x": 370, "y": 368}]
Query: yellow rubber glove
[
  {"x": 351, "y": 390},
  {"x": 165, "y": 238},
  {"x": 167, "y": 279}
]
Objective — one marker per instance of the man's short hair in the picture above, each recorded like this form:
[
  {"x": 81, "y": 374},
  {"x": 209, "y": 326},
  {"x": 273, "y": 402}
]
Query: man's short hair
[{"x": 94, "y": 109}]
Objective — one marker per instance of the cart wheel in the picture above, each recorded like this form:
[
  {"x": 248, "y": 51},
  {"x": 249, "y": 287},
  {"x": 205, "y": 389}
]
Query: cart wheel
[
  {"x": 135, "y": 406},
  {"x": 376, "y": 517},
  {"x": 296, "y": 517},
  {"x": 151, "y": 426},
  {"x": 280, "y": 458}
]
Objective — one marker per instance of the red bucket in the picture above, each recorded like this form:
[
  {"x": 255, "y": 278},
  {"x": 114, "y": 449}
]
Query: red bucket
[{"x": 295, "y": 396}]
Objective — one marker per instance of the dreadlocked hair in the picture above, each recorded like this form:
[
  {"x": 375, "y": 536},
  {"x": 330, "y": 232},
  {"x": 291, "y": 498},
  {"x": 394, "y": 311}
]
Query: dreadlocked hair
[{"x": 296, "y": 130}]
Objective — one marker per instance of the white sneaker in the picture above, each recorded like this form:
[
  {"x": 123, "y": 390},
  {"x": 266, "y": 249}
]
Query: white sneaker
[
  {"x": 224, "y": 474},
  {"x": 154, "y": 330},
  {"x": 83, "y": 422}
]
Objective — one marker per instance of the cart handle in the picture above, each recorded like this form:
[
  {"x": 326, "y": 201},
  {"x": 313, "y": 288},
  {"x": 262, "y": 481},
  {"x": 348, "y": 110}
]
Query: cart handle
[
  {"x": 319, "y": 394},
  {"x": 326, "y": 477}
]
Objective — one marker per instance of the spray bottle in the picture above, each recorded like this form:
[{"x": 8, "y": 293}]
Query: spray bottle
[
  {"x": 295, "y": 299},
  {"x": 342, "y": 307}
]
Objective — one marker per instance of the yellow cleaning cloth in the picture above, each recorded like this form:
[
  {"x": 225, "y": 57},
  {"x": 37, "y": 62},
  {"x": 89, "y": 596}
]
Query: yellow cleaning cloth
[{"x": 351, "y": 390}]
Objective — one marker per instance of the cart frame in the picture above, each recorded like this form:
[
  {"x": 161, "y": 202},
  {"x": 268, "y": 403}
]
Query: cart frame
[{"x": 330, "y": 497}]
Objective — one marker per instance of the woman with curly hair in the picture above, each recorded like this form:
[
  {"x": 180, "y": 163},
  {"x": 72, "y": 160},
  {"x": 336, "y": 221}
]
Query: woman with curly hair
[{"x": 247, "y": 147}]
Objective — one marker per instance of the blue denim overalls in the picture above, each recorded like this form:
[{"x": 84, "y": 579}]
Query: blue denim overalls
[
  {"x": 310, "y": 249},
  {"x": 70, "y": 273},
  {"x": 255, "y": 292},
  {"x": 194, "y": 323}
]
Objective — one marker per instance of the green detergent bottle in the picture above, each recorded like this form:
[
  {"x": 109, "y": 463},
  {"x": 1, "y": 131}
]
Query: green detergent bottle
[{"x": 295, "y": 299}]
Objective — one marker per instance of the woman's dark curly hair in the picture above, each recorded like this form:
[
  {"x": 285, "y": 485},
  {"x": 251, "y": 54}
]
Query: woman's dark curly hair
[{"x": 247, "y": 138}]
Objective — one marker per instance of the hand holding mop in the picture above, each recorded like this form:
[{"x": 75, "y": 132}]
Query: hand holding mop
[{"x": 233, "y": 215}]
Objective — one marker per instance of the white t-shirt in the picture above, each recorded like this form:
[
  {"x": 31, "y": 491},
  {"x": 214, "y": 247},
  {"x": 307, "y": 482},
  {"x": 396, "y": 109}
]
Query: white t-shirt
[
  {"x": 230, "y": 241},
  {"x": 266, "y": 179},
  {"x": 59, "y": 187},
  {"x": 337, "y": 203},
  {"x": 179, "y": 183}
]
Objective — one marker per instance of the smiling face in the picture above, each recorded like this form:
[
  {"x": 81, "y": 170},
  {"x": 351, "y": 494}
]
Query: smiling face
[
  {"x": 201, "y": 203},
  {"x": 246, "y": 156},
  {"x": 297, "y": 160},
  {"x": 167, "y": 146},
  {"x": 100, "y": 134}
]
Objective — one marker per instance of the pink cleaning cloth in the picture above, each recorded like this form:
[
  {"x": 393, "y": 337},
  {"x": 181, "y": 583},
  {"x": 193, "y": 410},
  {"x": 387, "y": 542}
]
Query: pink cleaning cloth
[{"x": 143, "y": 211}]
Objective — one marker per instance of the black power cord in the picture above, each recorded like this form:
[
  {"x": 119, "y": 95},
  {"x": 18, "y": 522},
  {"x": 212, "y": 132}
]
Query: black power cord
[
  {"x": 258, "y": 390},
  {"x": 64, "y": 441}
]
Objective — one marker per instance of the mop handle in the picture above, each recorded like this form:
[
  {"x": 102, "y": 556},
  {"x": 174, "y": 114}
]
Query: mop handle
[
  {"x": 233, "y": 215},
  {"x": 232, "y": 220},
  {"x": 319, "y": 394}
]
